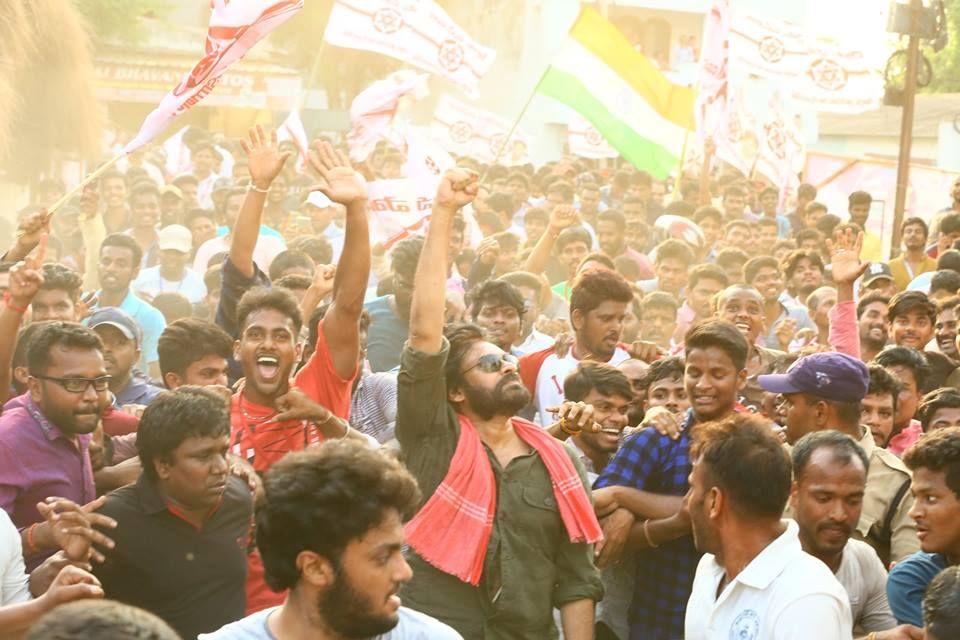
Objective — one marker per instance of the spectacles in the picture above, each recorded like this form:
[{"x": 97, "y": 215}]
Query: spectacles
[
  {"x": 79, "y": 385},
  {"x": 493, "y": 362}
]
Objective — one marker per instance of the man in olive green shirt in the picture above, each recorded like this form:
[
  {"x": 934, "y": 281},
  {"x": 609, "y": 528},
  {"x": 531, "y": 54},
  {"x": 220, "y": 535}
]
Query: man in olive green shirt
[{"x": 530, "y": 565}]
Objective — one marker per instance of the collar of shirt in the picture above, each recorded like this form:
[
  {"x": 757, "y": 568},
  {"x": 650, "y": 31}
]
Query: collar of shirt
[
  {"x": 153, "y": 501},
  {"x": 50, "y": 430},
  {"x": 769, "y": 563}
]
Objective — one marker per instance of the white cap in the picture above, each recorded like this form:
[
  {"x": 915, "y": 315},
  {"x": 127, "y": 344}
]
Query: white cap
[
  {"x": 319, "y": 200},
  {"x": 176, "y": 237}
]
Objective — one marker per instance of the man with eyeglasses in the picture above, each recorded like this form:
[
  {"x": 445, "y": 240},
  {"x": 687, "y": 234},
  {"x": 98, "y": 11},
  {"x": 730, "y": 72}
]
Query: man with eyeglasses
[
  {"x": 499, "y": 568},
  {"x": 45, "y": 433}
]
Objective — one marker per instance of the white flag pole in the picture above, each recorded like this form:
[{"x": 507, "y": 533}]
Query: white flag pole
[{"x": 83, "y": 183}]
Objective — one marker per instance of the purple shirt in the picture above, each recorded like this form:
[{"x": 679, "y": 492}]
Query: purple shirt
[{"x": 38, "y": 461}]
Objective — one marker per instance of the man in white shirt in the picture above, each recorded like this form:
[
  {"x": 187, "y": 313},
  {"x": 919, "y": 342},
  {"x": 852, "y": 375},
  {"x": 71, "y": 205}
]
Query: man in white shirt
[
  {"x": 598, "y": 304},
  {"x": 172, "y": 275},
  {"x": 344, "y": 583},
  {"x": 269, "y": 242},
  {"x": 754, "y": 581},
  {"x": 829, "y": 481}
]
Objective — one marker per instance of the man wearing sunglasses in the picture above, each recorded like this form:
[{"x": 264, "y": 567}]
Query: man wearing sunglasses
[
  {"x": 522, "y": 548},
  {"x": 45, "y": 433}
]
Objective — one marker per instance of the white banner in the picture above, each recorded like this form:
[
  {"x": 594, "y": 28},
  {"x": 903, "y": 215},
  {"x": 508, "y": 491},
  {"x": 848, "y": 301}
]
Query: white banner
[
  {"x": 235, "y": 26},
  {"x": 819, "y": 74},
  {"x": 466, "y": 130},
  {"x": 585, "y": 141},
  {"x": 399, "y": 208},
  {"x": 417, "y": 32},
  {"x": 373, "y": 110},
  {"x": 711, "y": 106}
]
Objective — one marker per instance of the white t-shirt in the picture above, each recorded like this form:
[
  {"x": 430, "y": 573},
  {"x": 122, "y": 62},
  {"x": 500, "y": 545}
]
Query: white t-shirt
[
  {"x": 865, "y": 580},
  {"x": 413, "y": 625},
  {"x": 150, "y": 283},
  {"x": 14, "y": 581},
  {"x": 549, "y": 389},
  {"x": 264, "y": 252},
  {"x": 783, "y": 594}
]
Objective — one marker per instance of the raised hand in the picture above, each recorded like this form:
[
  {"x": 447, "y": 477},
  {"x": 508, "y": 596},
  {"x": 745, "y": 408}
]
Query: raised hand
[
  {"x": 296, "y": 405},
  {"x": 785, "y": 330},
  {"x": 488, "y": 251},
  {"x": 32, "y": 227},
  {"x": 71, "y": 527},
  {"x": 457, "y": 189},
  {"x": 323, "y": 279},
  {"x": 845, "y": 260},
  {"x": 563, "y": 216},
  {"x": 343, "y": 184},
  {"x": 263, "y": 157},
  {"x": 574, "y": 417},
  {"x": 85, "y": 305},
  {"x": 26, "y": 277},
  {"x": 646, "y": 351}
]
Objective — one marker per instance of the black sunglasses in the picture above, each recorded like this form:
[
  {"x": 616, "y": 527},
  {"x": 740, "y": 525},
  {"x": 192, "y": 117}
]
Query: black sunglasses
[{"x": 492, "y": 362}]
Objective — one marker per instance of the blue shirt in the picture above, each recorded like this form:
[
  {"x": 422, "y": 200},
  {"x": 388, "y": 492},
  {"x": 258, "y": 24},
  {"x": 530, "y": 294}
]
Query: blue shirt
[
  {"x": 386, "y": 336},
  {"x": 907, "y": 583},
  {"x": 264, "y": 231},
  {"x": 799, "y": 314},
  {"x": 651, "y": 462},
  {"x": 137, "y": 391}
]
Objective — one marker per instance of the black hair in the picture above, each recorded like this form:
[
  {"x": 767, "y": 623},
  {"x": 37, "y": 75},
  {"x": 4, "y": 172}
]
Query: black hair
[
  {"x": 614, "y": 216},
  {"x": 844, "y": 448},
  {"x": 501, "y": 202},
  {"x": 869, "y": 299},
  {"x": 937, "y": 451},
  {"x": 269, "y": 298},
  {"x": 564, "y": 188},
  {"x": 142, "y": 187},
  {"x": 754, "y": 265},
  {"x": 506, "y": 240},
  {"x": 593, "y": 287},
  {"x": 536, "y": 213},
  {"x": 317, "y": 247},
  {"x": 524, "y": 279},
  {"x": 945, "y": 280},
  {"x": 605, "y": 378},
  {"x": 908, "y": 358},
  {"x": 290, "y": 259},
  {"x": 626, "y": 266},
  {"x": 499, "y": 293},
  {"x": 461, "y": 337},
  {"x": 722, "y": 335},
  {"x": 792, "y": 262},
  {"x": 184, "y": 177},
  {"x": 173, "y": 416},
  {"x": 57, "y": 277},
  {"x": 100, "y": 619},
  {"x": 67, "y": 335},
  {"x": 343, "y": 489},
  {"x": 657, "y": 300},
  {"x": 675, "y": 249},
  {"x": 913, "y": 220},
  {"x": 943, "y": 398},
  {"x": 742, "y": 456},
  {"x": 907, "y": 301},
  {"x": 950, "y": 223},
  {"x": 571, "y": 235},
  {"x": 707, "y": 211},
  {"x": 949, "y": 260},
  {"x": 124, "y": 241},
  {"x": 882, "y": 382},
  {"x": 807, "y": 191},
  {"x": 189, "y": 340},
  {"x": 730, "y": 255},
  {"x": 859, "y": 197},
  {"x": 941, "y": 605},
  {"x": 665, "y": 368},
  {"x": 294, "y": 282},
  {"x": 173, "y": 305},
  {"x": 405, "y": 255},
  {"x": 815, "y": 206},
  {"x": 827, "y": 223}
]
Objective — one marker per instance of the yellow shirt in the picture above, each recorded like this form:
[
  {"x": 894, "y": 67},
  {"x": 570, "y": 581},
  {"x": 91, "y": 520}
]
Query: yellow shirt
[{"x": 901, "y": 271}]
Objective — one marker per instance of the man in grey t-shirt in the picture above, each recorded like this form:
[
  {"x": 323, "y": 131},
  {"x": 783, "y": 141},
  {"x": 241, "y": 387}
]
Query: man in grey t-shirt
[{"x": 331, "y": 533}]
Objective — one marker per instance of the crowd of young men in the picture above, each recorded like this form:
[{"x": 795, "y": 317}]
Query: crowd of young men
[{"x": 550, "y": 415}]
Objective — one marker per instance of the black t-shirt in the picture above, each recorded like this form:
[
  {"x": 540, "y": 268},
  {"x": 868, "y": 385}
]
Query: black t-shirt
[
  {"x": 942, "y": 367},
  {"x": 194, "y": 579}
]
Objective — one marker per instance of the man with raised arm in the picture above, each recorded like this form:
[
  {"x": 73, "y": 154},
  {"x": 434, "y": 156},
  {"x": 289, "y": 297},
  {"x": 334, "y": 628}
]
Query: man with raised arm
[{"x": 506, "y": 533}]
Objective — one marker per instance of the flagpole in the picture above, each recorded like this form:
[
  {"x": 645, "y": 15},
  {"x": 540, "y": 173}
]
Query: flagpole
[
  {"x": 516, "y": 122},
  {"x": 683, "y": 159},
  {"x": 83, "y": 183},
  {"x": 313, "y": 75}
]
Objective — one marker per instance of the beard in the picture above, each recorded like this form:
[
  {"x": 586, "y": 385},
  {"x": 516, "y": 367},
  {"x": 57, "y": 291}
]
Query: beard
[
  {"x": 349, "y": 612},
  {"x": 501, "y": 400}
]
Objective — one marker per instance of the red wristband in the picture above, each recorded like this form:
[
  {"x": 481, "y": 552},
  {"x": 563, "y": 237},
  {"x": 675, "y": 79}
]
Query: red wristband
[
  {"x": 8, "y": 300},
  {"x": 31, "y": 546}
]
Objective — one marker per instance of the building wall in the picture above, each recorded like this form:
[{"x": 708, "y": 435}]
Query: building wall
[{"x": 923, "y": 149}]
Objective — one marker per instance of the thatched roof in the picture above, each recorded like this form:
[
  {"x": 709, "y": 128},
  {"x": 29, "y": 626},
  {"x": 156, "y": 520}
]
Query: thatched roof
[{"x": 47, "y": 100}]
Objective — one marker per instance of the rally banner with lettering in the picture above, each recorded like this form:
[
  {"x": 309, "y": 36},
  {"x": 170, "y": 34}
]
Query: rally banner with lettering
[
  {"x": 419, "y": 33},
  {"x": 374, "y": 109},
  {"x": 235, "y": 27},
  {"x": 821, "y": 75},
  {"x": 585, "y": 141},
  {"x": 399, "y": 208},
  {"x": 467, "y": 130}
]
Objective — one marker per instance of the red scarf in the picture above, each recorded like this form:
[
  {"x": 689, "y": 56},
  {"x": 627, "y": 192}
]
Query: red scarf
[{"x": 453, "y": 528}]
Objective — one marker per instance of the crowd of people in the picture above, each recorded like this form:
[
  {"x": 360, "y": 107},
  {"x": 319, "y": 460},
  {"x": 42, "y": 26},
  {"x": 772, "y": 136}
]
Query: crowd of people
[{"x": 582, "y": 405}]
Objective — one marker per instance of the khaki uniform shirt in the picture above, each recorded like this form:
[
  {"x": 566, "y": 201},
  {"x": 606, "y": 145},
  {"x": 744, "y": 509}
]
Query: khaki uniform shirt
[{"x": 886, "y": 476}]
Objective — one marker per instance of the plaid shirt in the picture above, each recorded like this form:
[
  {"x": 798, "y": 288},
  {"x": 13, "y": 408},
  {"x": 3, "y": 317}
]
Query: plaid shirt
[{"x": 651, "y": 462}]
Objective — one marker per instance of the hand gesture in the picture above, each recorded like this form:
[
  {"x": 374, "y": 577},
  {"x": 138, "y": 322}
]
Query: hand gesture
[
  {"x": 563, "y": 216},
  {"x": 72, "y": 583},
  {"x": 323, "y": 279},
  {"x": 26, "y": 277},
  {"x": 665, "y": 422},
  {"x": 458, "y": 188},
  {"x": 646, "y": 351},
  {"x": 71, "y": 527},
  {"x": 296, "y": 405},
  {"x": 903, "y": 632},
  {"x": 574, "y": 417},
  {"x": 263, "y": 157},
  {"x": 488, "y": 251},
  {"x": 616, "y": 530},
  {"x": 604, "y": 501},
  {"x": 845, "y": 260},
  {"x": 562, "y": 344},
  {"x": 343, "y": 184},
  {"x": 85, "y": 305},
  {"x": 785, "y": 330},
  {"x": 32, "y": 227}
]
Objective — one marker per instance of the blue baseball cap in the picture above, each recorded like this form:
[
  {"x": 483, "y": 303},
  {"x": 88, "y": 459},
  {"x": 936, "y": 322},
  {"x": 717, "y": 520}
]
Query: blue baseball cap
[
  {"x": 118, "y": 319},
  {"x": 831, "y": 376}
]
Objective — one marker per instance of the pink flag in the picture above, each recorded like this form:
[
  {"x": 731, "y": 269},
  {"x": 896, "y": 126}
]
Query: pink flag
[
  {"x": 373, "y": 110},
  {"x": 235, "y": 26},
  {"x": 712, "y": 98}
]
